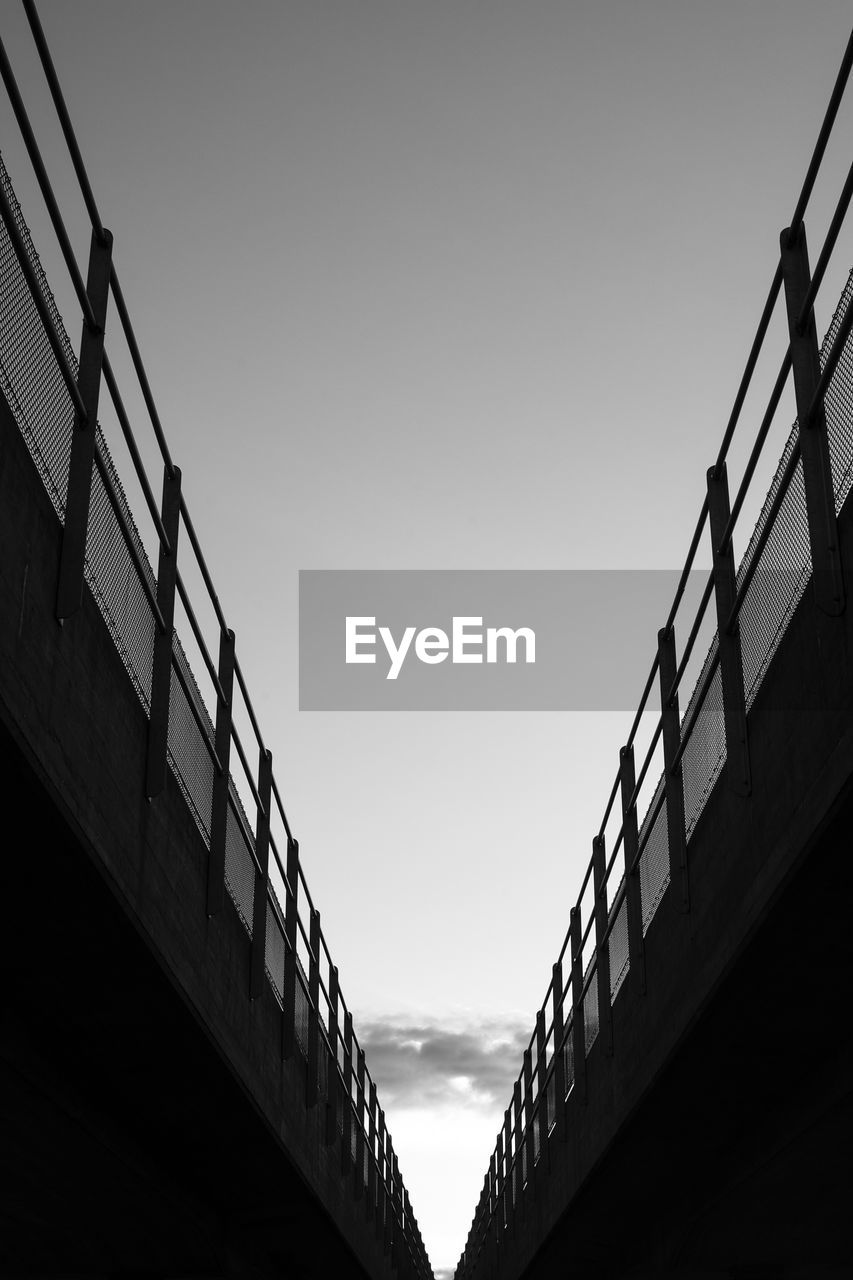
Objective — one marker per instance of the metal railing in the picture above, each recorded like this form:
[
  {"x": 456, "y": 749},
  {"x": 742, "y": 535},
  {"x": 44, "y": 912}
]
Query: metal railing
[
  {"x": 57, "y": 411},
  {"x": 794, "y": 541}
]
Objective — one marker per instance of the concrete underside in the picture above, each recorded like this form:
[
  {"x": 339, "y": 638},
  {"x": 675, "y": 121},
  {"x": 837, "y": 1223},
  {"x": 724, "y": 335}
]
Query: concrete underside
[
  {"x": 148, "y": 1126},
  {"x": 737, "y": 1162}
]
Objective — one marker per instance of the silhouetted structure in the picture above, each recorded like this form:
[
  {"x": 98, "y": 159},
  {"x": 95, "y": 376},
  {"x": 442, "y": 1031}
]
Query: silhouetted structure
[
  {"x": 685, "y": 1100},
  {"x": 182, "y": 1088}
]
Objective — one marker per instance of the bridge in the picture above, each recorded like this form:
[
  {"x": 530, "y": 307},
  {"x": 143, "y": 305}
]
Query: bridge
[
  {"x": 684, "y": 1103},
  {"x": 183, "y": 1090}
]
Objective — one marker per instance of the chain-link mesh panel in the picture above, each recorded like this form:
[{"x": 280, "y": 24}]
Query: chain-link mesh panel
[
  {"x": 569, "y": 1056},
  {"x": 705, "y": 752},
  {"x": 324, "y": 1060},
  {"x": 838, "y": 404},
  {"x": 654, "y": 860},
  {"x": 239, "y": 864},
  {"x": 590, "y": 1006},
  {"x": 29, "y": 376},
  {"x": 189, "y": 749},
  {"x": 274, "y": 951},
  {"x": 551, "y": 1101},
  {"x": 618, "y": 943},
  {"x": 300, "y": 1020}
]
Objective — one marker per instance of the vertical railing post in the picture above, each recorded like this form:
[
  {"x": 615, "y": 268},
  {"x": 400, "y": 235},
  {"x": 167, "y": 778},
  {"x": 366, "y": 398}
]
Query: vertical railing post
[
  {"x": 518, "y": 1170},
  {"x": 380, "y": 1174},
  {"x": 814, "y": 445},
  {"x": 358, "y": 1187},
  {"x": 371, "y": 1159},
  {"x": 388, "y": 1242},
  {"x": 161, "y": 667},
  {"x": 333, "y": 1087},
  {"x": 731, "y": 660},
  {"x": 509, "y": 1178},
  {"x": 69, "y": 591},
  {"x": 529, "y": 1139},
  {"x": 500, "y": 1188},
  {"x": 291, "y": 928},
  {"x": 542, "y": 1091},
  {"x": 671, "y": 733},
  {"x": 311, "y": 1094},
  {"x": 346, "y": 1102},
  {"x": 559, "y": 1054},
  {"x": 221, "y": 778},
  {"x": 578, "y": 1021},
  {"x": 397, "y": 1216},
  {"x": 602, "y": 946},
  {"x": 630, "y": 841},
  {"x": 257, "y": 979},
  {"x": 407, "y": 1232}
]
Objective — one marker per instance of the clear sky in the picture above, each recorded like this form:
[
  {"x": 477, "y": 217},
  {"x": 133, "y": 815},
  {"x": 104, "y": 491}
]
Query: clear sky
[{"x": 439, "y": 284}]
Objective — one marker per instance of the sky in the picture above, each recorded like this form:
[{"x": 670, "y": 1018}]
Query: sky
[{"x": 439, "y": 284}]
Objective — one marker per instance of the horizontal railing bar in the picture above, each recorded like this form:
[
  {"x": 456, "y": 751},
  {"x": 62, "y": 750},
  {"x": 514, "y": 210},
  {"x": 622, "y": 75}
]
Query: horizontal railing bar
[
  {"x": 199, "y": 638},
  {"x": 643, "y": 700},
  {"x": 130, "y": 541},
  {"x": 635, "y": 794},
  {"x": 688, "y": 564},
  {"x": 590, "y": 924},
  {"x": 755, "y": 350},
  {"x": 308, "y": 897},
  {"x": 46, "y": 318},
  {"x": 691, "y": 639},
  {"x": 277, "y": 857},
  {"x": 130, "y": 441},
  {"x": 649, "y": 822},
  {"x": 246, "y": 769},
  {"x": 278, "y": 801},
  {"x": 142, "y": 377},
  {"x": 826, "y": 252},
  {"x": 45, "y": 186},
  {"x": 202, "y": 564},
  {"x": 613, "y": 794},
  {"x": 760, "y": 543},
  {"x": 829, "y": 368},
  {"x": 755, "y": 454},
  {"x": 64, "y": 119},
  {"x": 823, "y": 136},
  {"x": 238, "y": 671}
]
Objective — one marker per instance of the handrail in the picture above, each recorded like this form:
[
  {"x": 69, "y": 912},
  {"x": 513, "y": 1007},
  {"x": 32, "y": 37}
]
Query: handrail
[{"x": 64, "y": 119}]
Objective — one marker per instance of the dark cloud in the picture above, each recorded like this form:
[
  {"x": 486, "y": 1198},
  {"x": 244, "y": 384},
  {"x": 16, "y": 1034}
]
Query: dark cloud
[{"x": 417, "y": 1062}]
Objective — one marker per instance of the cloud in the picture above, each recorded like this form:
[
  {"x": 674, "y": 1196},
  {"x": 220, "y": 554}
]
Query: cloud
[{"x": 420, "y": 1063}]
